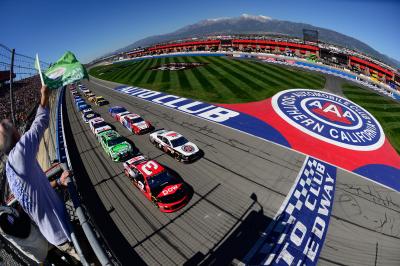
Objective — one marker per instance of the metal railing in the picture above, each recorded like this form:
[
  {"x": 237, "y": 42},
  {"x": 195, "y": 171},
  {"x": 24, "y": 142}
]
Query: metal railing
[{"x": 63, "y": 156}]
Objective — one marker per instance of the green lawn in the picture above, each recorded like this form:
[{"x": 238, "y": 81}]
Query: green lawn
[
  {"x": 221, "y": 80},
  {"x": 386, "y": 111}
]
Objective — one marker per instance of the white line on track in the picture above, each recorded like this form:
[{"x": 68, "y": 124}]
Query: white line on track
[{"x": 296, "y": 151}]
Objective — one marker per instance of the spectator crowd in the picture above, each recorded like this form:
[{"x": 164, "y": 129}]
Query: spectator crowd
[{"x": 26, "y": 97}]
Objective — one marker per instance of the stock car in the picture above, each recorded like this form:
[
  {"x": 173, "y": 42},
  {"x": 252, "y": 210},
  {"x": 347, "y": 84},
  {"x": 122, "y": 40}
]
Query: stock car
[
  {"x": 136, "y": 124},
  {"x": 92, "y": 98},
  {"x": 175, "y": 144},
  {"x": 100, "y": 101},
  {"x": 90, "y": 95},
  {"x": 86, "y": 92},
  {"x": 163, "y": 188},
  {"x": 98, "y": 125},
  {"x": 88, "y": 115},
  {"x": 116, "y": 110},
  {"x": 115, "y": 145},
  {"x": 82, "y": 106},
  {"x": 86, "y": 110}
]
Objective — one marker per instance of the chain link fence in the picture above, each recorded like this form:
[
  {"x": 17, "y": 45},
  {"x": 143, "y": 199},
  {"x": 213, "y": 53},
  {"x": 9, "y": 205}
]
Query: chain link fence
[{"x": 19, "y": 83}]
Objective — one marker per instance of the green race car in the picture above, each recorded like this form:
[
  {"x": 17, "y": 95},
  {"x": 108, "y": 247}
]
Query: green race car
[{"x": 115, "y": 145}]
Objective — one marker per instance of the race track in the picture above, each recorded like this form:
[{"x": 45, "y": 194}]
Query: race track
[{"x": 239, "y": 185}]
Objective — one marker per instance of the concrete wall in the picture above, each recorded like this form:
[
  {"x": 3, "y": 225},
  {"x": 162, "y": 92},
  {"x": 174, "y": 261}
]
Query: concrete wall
[{"x": 47, "y": 148}]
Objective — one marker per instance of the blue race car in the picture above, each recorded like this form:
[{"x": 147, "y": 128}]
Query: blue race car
[
  {"x": 78, "y": 102},
  {"x": 78, "y": 99},
  {"x": 116, "y": 110},
  {"x": 83, "y": 106}
]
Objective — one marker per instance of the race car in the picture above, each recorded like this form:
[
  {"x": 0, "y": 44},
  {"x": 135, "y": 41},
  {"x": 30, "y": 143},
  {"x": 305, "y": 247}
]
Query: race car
[
  {"x": 92, "y": 98},
  {"x": 102, "y": 102},
  {"x": 115, "y": 145},
  {"x": 116, "y": 110},
  {"x": 82, "y": 106},
  {"x": 99, "y": 100},
  {"x": 98, "y": 125},
  {"x": 89, "y": 95},
  {"x": 120, "y": 116},
  {"x": 163, "y": 188},
  {"x": 86, "y": 92},
  {"x": 76, "y": 97},
  {"x": 136, "y": 124},
  {"x": 88, "y": 115},
  {"x": 175, "y": 144},
  {"x": 86, "y": 110}
]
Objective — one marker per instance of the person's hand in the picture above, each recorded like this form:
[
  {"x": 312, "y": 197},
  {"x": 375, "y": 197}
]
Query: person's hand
[
  {"x": 64, "y": 179},
  {"x": 44, "y": 99},
  {"x": 44, "y": 90}
]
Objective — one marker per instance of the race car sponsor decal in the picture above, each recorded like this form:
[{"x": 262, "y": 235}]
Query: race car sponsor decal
[
  {"x": 330, "y": 118},
  {"x": 210, "y": 112},
  {"x": 297, "y": 234},
  {"x": 187, "y": 148},
  {"x": 168, "y": 190}
]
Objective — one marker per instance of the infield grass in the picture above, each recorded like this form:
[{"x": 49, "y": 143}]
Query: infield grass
[
  {"x": 386, "y": 111},
  {"x": 220, "y": 80}
]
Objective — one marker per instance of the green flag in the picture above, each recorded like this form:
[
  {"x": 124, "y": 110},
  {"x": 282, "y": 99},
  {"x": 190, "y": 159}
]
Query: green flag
[{"x": 63, "y": 72}]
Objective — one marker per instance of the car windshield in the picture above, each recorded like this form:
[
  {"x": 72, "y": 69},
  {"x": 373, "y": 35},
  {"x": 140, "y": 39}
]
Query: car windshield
[
  {"x": 136, "y": 120},
  {"x": 116, "y": 141},
  {"x": 100, "y": 124},
  {"x": 158, "y": 182},
  {"x": 179, "y": 142}
]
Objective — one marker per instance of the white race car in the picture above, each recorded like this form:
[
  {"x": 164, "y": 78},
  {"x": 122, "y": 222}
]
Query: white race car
[
  {"x": 98, "y": 125},
  {"x": 175, "y": 144}
]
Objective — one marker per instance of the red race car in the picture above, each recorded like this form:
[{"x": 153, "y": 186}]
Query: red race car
[
  {"x": 136, "y": 124},
  {"x": 163, "y": 188}
]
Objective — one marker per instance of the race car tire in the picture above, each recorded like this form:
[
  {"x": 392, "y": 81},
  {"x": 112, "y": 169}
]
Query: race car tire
[
  {"x": 152, "y": 141},
  {"x": 155, "y": 204},
  {"x": 126, "y": 172},
  {"x": 178, "y": 157}
]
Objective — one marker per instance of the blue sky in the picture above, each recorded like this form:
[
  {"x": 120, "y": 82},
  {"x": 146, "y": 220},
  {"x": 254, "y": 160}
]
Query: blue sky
[{"x": 91, "y": 28}]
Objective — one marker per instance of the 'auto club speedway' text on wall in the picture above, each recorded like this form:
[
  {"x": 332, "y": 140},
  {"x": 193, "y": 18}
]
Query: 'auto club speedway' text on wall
[{"x": 320, "y": 124}]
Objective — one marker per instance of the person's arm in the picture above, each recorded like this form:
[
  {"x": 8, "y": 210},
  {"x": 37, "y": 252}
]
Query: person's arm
[{"x": 31, "y": 139}]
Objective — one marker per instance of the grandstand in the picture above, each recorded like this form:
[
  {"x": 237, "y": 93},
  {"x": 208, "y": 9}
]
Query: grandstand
[{"x": 283, "y": 45}]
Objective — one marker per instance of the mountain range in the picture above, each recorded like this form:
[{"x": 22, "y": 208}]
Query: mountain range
[{"x": 249, "y": 24}]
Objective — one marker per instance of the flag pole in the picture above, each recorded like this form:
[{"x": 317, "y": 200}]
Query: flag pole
[{"x": 39, "y": 69}]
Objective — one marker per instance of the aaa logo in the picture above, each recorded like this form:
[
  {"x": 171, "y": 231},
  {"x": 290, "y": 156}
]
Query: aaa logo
[{"x": 330, "y": 118}]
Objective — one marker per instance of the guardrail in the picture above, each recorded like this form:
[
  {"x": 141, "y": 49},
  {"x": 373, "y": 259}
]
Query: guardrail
[{"x": 63, "y": 157}]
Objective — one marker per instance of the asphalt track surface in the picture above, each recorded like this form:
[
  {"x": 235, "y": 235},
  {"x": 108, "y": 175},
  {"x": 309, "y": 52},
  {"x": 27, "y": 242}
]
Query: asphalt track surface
[{"x": 238, "y": 185}]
